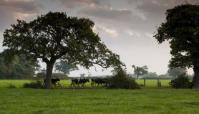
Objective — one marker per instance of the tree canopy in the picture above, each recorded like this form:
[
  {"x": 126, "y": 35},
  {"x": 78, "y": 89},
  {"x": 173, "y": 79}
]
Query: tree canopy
[
  {"x": 181, "y": 29},
  {"x": 57, "y": 36},
  {"x": 65, "y": 67}
]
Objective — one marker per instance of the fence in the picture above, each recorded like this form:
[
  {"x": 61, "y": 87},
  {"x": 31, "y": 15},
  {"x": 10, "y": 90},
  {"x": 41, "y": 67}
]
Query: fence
[{"x": 154, "y": 82}]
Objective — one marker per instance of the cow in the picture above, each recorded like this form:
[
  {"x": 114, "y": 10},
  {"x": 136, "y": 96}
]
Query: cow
[
  {"x": 98, "y": 81},
  {"x": 54, "y": 81},
  {"x": 79, "y": 82}
]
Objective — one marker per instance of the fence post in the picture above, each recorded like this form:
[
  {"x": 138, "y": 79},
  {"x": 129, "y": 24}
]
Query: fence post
[
  {"x": 144, "y": 82},
  {"x": 158, "y": 82}
]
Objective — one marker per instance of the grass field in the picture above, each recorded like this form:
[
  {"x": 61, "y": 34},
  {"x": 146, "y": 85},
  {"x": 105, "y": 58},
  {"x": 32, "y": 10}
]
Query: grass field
[
  {"x": 65, "y": 83},
  {"x": 96, "y": 101}
]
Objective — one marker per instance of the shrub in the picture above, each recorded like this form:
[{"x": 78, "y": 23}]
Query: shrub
[
  {"x": 121, "y": 81},
  {"x": 11, "y": 86},
  {"x": 35, "y": 84},
  {"x": 182, "y": 81}
]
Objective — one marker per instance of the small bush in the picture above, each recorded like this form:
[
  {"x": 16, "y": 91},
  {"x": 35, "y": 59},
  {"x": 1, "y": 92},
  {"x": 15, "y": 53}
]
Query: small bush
[
  {"x": 182, "y": 81},
  {"x": 37, "y": 84},
  {"x": 122, "y": 81},
  {"x": 11, "y": 86}
]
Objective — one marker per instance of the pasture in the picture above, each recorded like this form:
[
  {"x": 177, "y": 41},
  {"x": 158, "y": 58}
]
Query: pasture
[
  {"x": 149, "y": 100},
  {"x": 150, "y": 83}
]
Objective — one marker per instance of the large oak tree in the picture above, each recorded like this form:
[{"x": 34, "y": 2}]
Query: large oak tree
[
  {"x": 57, "y": 36},
  {"x": 181, "y": 29}
]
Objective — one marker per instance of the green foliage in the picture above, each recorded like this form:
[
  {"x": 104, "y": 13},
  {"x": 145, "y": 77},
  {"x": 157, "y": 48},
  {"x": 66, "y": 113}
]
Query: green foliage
[
  {"x": 16, "y": 67},
  {"x": 65, "y": 67},
  {"x": 181, "y": 29},
  {"x": 182, "y": 81},
  {"x": 35, "y": 84},
  {"x": 56, "y": 35},
  {"x": 174, "y": 72},
  {"x": 121, "y": 80}
]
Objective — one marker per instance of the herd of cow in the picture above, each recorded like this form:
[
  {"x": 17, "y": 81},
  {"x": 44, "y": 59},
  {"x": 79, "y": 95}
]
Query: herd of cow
[
  {"x": 80, "y": 82},
  {"x": 93, "y": 81}
]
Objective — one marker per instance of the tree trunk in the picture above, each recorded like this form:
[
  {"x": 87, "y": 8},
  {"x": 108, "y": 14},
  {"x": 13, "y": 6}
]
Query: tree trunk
[
  {"x": 48, "y": 84},
  {"x": 195, "y": 81}
]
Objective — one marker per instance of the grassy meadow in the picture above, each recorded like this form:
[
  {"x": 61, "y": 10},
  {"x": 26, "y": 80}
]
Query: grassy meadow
[
  {"x": 148, "y": 100},
  {"x": 150, "y": 83}
]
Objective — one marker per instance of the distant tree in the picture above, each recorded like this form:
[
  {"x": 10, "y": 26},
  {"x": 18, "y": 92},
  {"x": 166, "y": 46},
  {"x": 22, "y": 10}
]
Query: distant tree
[
  {"x": 175, "y": 72},
  {"x": 16, "y": 67},
  {"x": 150, "y": 75},
  {"x": 164, "y": 76},
  {"x": 181, "y": 29},
  {"x": 65, "y": 67},
  {"x": 138, "y": 71},
  {"x": 56, "y": 36}
]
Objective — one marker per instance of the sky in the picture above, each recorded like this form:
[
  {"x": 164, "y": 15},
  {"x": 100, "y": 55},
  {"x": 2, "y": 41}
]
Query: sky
[{"x": 127, "y": 27}]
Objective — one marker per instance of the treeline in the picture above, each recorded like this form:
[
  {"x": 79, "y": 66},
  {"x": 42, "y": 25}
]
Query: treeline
[
  {"x": 141, "y": 72},
  {"x": 22, "y": 67},
  {"x": 16, "y": 67}
]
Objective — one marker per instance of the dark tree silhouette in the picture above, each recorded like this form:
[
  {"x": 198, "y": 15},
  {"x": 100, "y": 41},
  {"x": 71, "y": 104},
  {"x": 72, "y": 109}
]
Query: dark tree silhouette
[
  {"x": 181, "y": 29},
  {"x": 56, "y": 36}
]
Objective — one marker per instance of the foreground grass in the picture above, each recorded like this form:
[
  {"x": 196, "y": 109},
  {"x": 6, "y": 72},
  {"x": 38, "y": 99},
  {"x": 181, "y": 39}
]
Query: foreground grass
[{"x": 98, "y": 101}]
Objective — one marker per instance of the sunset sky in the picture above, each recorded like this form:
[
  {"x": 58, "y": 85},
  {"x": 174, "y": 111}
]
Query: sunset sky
[{"x": 125, "y": 26}]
